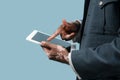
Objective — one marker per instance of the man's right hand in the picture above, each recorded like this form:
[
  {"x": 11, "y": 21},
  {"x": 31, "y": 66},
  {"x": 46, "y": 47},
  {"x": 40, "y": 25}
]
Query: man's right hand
[{"x": 67, "y": 31}]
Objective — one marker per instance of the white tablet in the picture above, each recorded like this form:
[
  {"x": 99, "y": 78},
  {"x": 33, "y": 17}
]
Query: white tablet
[{"x": 37, "y": 37}]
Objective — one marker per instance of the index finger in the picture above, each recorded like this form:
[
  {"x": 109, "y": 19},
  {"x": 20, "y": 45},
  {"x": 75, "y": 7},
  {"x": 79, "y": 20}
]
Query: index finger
[{"x": 56, "y": 33}]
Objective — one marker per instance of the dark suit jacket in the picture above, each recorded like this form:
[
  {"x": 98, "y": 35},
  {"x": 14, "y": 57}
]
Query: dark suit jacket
[{"x": 99, "y": 54}]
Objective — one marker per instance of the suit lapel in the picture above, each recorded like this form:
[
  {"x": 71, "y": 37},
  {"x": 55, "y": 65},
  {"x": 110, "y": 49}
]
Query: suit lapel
[{"x": 86, "y": 5}]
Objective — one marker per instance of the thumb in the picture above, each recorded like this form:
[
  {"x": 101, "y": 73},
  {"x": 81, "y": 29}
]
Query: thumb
[{"x": 47, "y": 44}]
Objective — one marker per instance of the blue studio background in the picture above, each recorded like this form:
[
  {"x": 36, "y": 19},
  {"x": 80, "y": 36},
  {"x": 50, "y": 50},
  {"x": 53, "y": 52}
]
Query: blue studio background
[{"x": 23, "y": 60}]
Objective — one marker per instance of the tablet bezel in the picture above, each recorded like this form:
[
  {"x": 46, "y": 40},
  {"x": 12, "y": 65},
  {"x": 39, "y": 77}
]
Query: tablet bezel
[{"x": 31, "y": 35}]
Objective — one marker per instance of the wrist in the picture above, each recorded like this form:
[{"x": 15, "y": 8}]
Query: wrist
[{"x": 66, "y": 59}]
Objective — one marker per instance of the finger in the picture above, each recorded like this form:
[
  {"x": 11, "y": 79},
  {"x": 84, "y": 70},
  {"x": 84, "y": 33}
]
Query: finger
[
  {"x": 65, "y": 23},
  {"x": 56, "y": 33},
  {"x": 70, "y": 35},
  {"x": 46, "y": 50},
  {"x": 62, "y": 34}
]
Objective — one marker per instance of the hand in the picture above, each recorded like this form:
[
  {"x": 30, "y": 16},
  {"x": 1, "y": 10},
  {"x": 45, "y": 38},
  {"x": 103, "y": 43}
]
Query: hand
[
  {"x": 55, "y": 52},
  {"x": 67, "y": 30}
]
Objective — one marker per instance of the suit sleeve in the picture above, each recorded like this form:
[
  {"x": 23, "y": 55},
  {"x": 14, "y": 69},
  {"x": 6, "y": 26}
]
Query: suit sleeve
[{"x": 104, "y": 59}]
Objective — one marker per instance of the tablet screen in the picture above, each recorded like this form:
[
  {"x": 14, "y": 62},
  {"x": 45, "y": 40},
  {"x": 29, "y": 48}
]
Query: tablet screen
[
  {"x": 40, "y": 37},
  {"x": 43, "y": 37}
]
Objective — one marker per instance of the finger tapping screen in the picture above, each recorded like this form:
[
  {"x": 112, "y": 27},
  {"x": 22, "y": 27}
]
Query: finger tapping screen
[{"x": 43, "y": 37}]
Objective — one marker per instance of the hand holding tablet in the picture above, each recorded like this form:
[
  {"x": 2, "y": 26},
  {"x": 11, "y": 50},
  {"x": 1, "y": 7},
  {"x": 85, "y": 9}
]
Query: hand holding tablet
[{"x": 37, "y": 37}]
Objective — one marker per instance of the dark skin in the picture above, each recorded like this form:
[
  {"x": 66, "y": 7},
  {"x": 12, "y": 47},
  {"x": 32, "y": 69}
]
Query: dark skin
[
  {"x": 67, "y": 31},
  {"x": 55, "y": 52}
]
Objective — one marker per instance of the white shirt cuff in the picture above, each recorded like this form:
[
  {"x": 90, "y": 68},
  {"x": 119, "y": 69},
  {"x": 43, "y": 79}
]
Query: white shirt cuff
[{"x": 72, "y": 66}]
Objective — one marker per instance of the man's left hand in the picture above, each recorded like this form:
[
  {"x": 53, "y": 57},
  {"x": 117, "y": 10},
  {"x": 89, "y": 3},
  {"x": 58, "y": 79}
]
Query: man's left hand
[{"x": 55, "y": 52}]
